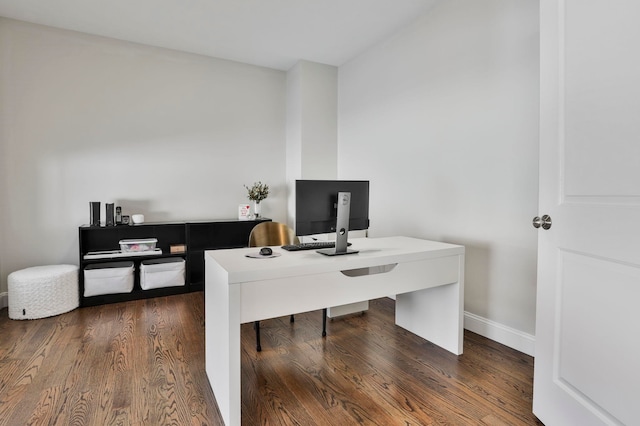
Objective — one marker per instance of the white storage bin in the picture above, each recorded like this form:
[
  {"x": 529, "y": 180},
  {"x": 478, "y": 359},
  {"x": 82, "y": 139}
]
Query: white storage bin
[
  {"x": 108, "y": 278},
  {"x": 157, "y": 273},
  {"x": 146, "y": 244}
]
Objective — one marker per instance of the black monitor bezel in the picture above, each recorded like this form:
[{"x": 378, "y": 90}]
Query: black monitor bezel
[{"x": 315, "y": 208}]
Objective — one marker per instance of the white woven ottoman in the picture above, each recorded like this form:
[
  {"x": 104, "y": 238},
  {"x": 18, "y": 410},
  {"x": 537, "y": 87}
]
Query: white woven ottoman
[{"x": 43, "y": 291}]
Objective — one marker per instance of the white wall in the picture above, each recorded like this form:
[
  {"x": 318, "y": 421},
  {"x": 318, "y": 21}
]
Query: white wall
[
  {"x": 443, "y": 119},
  {"x": 312, "y": 136},
  {"x": 168, "y": 134}
]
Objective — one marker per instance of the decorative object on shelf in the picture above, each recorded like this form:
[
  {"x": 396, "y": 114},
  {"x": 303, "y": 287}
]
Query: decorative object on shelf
[
  {"x": 110, "y": 214},
  {"x": 258, "y": 192},
  {"x": 244, "y": 212},
  {"x": 94, "y": 213},
  {"x": 137, "y": 219},
  {"x": 177, "y": 248}
]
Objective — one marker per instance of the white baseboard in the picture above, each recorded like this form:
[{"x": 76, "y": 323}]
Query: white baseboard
[
  {"x": 4, "y": 300},
  {"x": 500, "y": 333}
]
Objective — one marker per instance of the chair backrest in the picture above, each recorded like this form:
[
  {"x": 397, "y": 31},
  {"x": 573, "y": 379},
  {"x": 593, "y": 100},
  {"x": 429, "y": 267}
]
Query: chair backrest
[{"x": 272, "y": 234}]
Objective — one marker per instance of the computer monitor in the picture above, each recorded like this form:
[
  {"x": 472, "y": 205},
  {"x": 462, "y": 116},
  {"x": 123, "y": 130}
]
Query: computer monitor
[{"x": 321, "y": 204}]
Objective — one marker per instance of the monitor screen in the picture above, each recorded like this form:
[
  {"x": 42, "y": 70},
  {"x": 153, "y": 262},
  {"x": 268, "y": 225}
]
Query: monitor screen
[{"x": 316, "y": 208}]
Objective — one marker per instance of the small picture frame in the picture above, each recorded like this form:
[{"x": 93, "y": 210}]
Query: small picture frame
[{"x": 244, "y": 212}]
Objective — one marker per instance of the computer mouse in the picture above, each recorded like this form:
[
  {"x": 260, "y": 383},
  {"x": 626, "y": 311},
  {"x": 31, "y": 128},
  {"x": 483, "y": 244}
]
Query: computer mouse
[{"x": 266, "y": 251}]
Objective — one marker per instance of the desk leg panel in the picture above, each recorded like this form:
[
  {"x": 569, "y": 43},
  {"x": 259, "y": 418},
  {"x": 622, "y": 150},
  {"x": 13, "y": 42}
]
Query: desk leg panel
[
  {"x": 435, "y": 314},
  {"x": 222, "y": 341}
]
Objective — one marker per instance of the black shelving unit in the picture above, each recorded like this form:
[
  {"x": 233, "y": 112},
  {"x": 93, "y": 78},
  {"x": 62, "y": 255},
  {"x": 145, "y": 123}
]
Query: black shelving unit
[{"x": 196, "y": 236}]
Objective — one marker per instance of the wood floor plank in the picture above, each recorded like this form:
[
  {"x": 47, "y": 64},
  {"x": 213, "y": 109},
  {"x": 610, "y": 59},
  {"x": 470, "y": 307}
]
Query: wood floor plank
[
  {"x": 46, "y": 406},
  {"x": 142, "y": 363}
]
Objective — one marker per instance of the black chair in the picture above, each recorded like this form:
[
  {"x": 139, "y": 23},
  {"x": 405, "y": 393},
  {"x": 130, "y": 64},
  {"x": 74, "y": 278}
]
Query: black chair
[{"x": 276, "y": 234}]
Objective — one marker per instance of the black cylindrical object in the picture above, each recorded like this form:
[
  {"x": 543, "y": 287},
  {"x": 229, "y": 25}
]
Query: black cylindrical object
[
  {"x": 110, "y": 213},
  {"x": 94, "y": 213}
]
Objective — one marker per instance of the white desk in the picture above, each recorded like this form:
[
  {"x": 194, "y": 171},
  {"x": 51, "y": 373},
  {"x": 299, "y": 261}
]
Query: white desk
[{"x": 427, "y": 277}]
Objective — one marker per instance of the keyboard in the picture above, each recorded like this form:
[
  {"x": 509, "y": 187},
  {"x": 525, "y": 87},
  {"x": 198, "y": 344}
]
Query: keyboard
[{"x": 315, "y": 245}]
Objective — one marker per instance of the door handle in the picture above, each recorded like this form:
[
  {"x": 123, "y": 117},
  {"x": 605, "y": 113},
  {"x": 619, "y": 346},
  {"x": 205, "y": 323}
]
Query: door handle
[{"x": 544, "y": 222}]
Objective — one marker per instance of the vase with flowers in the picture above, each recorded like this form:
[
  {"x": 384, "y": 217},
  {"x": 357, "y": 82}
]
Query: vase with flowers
[{"x": 256, "y": 193}]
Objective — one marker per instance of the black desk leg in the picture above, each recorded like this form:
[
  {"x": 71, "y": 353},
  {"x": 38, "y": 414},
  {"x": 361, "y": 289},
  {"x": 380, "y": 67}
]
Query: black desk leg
[
  {"x": 324, "y": 322},
  {"x": 256, "y": 325}
]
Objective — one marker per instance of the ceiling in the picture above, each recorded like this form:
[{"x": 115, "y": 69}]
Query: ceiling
[{"x": 270, "y": 33}]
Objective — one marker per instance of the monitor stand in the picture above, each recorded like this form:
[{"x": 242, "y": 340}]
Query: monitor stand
[{"x": 342, "y": 227}]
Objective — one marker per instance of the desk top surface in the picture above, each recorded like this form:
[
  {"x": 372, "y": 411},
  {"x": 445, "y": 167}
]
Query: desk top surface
[{"x": 372, "y": 252}]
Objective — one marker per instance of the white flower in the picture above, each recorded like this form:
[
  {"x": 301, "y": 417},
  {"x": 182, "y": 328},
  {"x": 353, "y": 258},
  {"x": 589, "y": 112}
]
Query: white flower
[{"x": 258, "y": 191}]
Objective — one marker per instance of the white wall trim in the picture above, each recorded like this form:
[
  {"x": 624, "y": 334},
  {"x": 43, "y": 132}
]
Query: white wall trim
[
  {"x": 4, "y": 300},
  {"x": 507, "y": 336}
]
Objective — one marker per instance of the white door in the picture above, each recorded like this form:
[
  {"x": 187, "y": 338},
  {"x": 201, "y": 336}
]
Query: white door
[{"x": 587, "y": 361}]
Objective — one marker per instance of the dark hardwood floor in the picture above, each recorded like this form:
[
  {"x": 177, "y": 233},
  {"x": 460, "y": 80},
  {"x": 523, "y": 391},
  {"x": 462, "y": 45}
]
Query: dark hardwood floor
[{"x": 142, "y": 363}]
